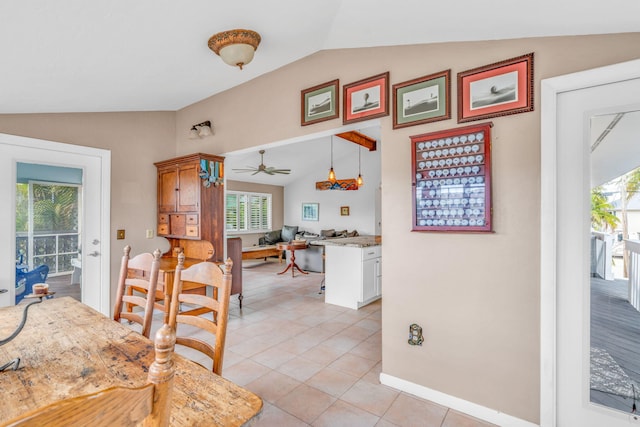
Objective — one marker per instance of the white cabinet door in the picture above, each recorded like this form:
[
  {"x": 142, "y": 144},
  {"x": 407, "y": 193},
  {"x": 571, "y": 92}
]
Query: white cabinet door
[{"x": 369, "y": 277}]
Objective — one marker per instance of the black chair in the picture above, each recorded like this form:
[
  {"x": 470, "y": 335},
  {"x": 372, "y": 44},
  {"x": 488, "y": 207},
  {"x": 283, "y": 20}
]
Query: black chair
[{"x": 27, "y": 279}]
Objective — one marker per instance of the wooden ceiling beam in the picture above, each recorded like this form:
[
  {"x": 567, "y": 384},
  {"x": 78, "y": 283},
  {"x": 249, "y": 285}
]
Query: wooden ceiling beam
[{"x": 359, "y": 138}]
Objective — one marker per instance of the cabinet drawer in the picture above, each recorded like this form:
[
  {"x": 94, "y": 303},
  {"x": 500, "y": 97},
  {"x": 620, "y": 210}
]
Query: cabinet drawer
[
  {"x": 371, "y": 252},
  {"x": 192, "y": 231},
  {"x": 163, "y": 219},
  {"x": 192, "y": 219},
  {"x": 163, "y": 229}
]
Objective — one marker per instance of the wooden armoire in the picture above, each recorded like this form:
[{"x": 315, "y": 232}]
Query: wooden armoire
[
  {"x": 191, "y": 202},
  {"x": 191, "y": 208}
]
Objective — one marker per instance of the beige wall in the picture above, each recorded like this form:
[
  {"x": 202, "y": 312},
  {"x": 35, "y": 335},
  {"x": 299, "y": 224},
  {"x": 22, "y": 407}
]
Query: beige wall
[
  {"x": 475, "y": 295},
  {"x": 135, "y": 140},
  {"x": 277, "y": 206}
]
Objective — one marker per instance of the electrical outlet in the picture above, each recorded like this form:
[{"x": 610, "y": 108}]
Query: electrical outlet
[
  {"x": 149, "y": 234},
  {"x": 120, "y": 235}
]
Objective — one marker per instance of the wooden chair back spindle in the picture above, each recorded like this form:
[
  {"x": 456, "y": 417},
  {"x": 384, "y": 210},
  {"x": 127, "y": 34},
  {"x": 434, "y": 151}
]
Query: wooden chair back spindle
[
  {"x": 138, "y": 274},
  {"x": 219, "y": 279}
]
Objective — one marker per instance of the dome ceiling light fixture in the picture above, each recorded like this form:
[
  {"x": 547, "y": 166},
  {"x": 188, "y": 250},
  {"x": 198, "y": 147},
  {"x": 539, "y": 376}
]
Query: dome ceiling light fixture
[{"x": 235, "y": 47}]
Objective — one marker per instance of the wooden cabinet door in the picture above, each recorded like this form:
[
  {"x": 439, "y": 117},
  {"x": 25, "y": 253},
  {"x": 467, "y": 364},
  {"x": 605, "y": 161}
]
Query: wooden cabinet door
[
  {"x": 167, "y": 189},
  {"x": 188, "y": 188}
]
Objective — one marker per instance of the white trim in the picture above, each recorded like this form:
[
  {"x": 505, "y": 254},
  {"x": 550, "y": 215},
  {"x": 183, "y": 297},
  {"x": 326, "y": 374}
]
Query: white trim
[
  {"x": 551, "y": 89},
  {"x": 461, "y": 405},
  {"x": 104, "y": 156}
]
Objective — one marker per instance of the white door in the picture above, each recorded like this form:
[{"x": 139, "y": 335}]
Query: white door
[
  {"x": 95, "y": 165},
  {"x": 568, "y": 103}
]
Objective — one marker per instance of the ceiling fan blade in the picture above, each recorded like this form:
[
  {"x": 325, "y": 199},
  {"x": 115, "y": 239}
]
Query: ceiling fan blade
[
  {"x": 256, "y": 172},
  {"x": 283, "y": 171}
]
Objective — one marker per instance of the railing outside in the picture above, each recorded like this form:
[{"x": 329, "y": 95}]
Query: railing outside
[
  {"x": 633, "y": 247},
  {"x": 55, "y": 250}
]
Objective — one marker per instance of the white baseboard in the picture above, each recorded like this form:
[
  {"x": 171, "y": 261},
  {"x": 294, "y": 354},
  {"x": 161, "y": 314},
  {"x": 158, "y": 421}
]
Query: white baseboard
[{"x": 460, "y": 405}]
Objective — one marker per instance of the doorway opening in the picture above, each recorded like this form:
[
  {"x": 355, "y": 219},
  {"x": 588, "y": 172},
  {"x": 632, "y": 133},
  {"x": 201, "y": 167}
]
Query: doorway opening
[
  {"x": 48, "y": 228},
  {"x": 614, "y": 375}
]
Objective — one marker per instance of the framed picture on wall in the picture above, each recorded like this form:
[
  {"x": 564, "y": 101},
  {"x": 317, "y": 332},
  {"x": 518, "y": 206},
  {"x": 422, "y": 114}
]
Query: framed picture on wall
[
  {"x": 344, "y": 210},
  {"x": 422, "y": 100},
  {"x": 310, "y": 211},
  {"x": 494, "y": 90},
  {"x": 366, "y": 99},
  {"x": 320, "y": 103}
]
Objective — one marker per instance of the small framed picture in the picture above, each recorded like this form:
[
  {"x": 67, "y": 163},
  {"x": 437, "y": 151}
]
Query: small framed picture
[
  {"x": 344, "y": 210},
  {"x": 310, "y": 211},
  {"x": 366, "y": 99},
  {"x": 320, "y": 103},
  {"x": 422, "y": 100},
  {"x": 494, "y": 90}
]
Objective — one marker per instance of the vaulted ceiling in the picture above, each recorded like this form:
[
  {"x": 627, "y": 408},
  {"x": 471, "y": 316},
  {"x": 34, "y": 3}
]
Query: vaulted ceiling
[{"x": 152, "y": 55}]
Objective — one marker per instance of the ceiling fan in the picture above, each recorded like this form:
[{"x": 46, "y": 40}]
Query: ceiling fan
[{"x": 263, "y": 168}]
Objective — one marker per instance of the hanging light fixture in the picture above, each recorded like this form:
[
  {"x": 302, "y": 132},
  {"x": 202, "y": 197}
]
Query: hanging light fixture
[
  {"x": 359, "y": 180},
  {"x": 235, "y": 47},
  {"x": 332, "y": 174}
]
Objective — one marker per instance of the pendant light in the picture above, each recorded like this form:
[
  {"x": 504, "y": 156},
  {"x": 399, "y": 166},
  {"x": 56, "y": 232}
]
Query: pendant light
[
  {"x": 332, "y": 174},
  {"x": 359, "y": 181}
]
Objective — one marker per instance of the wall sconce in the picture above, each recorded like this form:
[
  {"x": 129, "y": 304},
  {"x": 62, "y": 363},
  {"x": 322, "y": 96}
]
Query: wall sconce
[
  {"x": 235, "y": 47},
  {"x": 200, "y": 130}
]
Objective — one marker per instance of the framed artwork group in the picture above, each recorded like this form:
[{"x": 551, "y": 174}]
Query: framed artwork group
[
  {"x": 498, "y": 89},
  {"x": 451, "y": 168}
]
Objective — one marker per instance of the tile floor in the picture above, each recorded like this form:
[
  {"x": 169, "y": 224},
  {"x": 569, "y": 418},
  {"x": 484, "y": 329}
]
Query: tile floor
[{"x": 314, "y": 364}]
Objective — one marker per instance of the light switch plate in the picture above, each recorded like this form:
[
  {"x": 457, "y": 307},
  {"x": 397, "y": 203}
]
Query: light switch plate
[{"x": 149, "y": 234}]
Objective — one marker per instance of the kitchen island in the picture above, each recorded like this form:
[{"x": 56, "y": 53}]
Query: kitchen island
[{"x": 353, "y": 271}]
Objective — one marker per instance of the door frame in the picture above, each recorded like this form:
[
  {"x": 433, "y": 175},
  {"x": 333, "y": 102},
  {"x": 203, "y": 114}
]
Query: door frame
[
  {"x": 43, "y": 149},
  {"x": 551, "y": 90}
]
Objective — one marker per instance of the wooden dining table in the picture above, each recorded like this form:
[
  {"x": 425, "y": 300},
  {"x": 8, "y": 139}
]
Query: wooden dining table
[{"x": 68, "y": 349}]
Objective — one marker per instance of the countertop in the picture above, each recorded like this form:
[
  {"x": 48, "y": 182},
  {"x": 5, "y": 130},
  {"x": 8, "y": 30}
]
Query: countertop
[{"x": 355, "y": 242}]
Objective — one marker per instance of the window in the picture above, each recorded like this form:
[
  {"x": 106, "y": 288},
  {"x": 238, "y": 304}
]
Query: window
[{"x": 248, "y": 212}]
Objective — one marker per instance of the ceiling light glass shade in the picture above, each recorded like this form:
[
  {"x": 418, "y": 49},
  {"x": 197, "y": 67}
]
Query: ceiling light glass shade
[
  {"x": 237, "y": 54},
  {"x": 193, "y": 133},
  {"x": 360, "y": 181},
  {"x": 235, "y": 47},
  {"x": 204, "y": 131}
]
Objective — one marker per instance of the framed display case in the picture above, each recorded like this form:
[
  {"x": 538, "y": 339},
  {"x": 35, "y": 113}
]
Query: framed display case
[{"x": 452, "y": 179}]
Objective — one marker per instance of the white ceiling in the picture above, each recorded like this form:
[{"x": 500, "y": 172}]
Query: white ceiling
[
  {"x": 303, "y": 157},
  {"x": 152, "y": 55},
  {"x": 619, "y": 150}
]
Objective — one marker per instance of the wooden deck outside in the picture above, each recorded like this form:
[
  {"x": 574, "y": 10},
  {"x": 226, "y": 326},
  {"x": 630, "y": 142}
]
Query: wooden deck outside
[{"x": 615, "y": 327}]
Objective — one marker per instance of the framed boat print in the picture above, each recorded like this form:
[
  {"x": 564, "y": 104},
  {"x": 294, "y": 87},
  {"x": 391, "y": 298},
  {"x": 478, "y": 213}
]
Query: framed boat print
[
  {"x": 496, "y": 90},
  {"x": 366, "y": 99},
  {"x": 452, "y": 180},
  {"x": 422, "y": 100},
  {"x": 320, "y": 103}
]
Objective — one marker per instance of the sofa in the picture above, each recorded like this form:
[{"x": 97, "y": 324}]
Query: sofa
[
  {"x": 312, "y": 258},
  {"x": 286, "y": 234}
]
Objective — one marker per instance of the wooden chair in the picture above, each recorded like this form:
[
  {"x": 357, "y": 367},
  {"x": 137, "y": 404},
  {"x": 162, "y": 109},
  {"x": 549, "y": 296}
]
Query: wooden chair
[
  {"x": 140, "y": 274},
  {"x": 117, "y": 406},
  {"x": 213, "y": 276}
]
